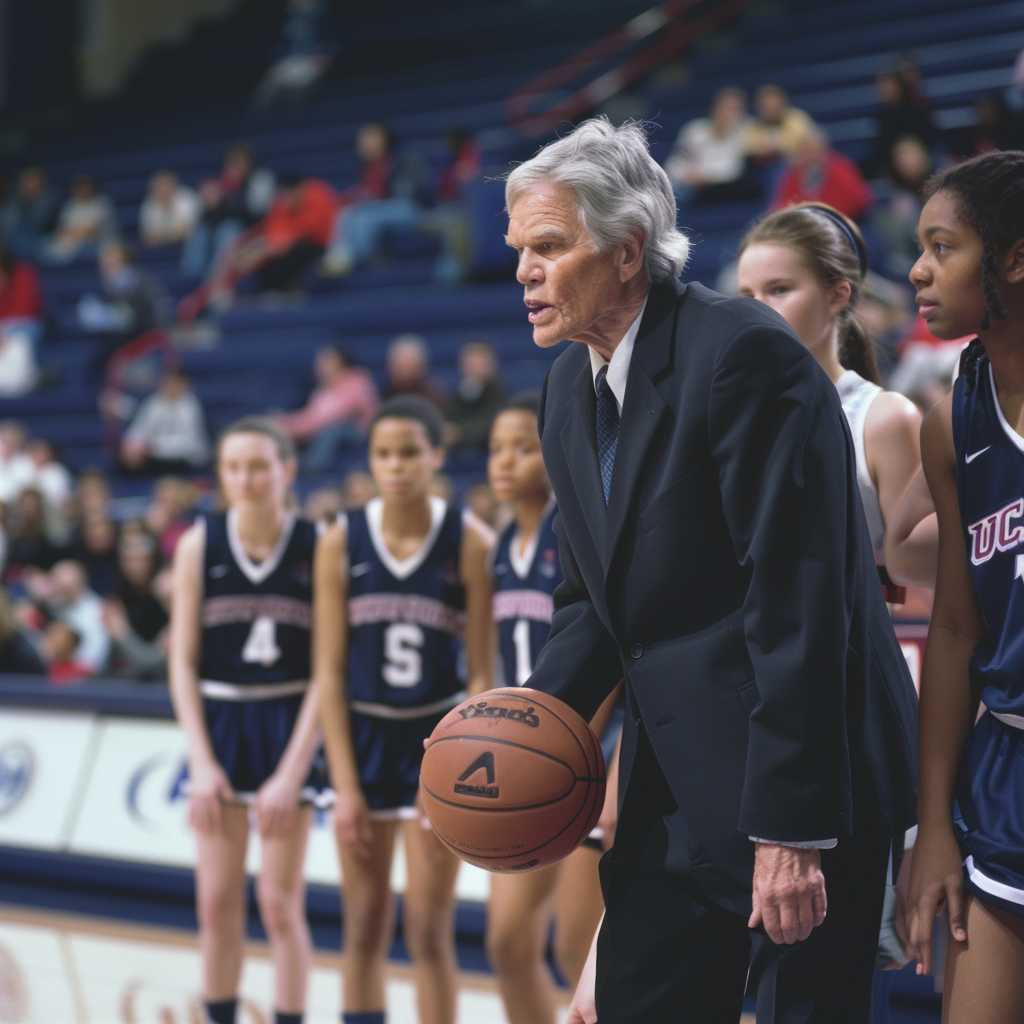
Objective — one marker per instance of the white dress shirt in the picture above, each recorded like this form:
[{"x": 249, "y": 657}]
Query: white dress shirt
[{"x": 618, "y": 374}]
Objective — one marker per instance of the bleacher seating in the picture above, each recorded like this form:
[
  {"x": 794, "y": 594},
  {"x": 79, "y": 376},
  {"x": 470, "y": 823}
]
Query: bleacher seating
[{"x": 826, "y": 56}]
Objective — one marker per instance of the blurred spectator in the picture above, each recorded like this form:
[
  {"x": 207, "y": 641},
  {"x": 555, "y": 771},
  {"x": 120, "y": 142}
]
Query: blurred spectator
[
  {"x": 1015, "y": 92},
  {"x": 926, "y": 366},
  {"x": 324, "y": 505},
  {"x": 29, "y": 215},
  {"x": 884, "y": 310},
  {"x": 96, "y": 550},
  {"x": 449, "y": 219},
  {"x": 21, "y": 309},
  {"x": 86, "y": 220},
  {"x": 15, "y": 463},
  {"x": 131, "y": 304},
  {"x": 62, "y": 646},
  {"x": 819, "y": 174},
  {"x": 995, "y": 126},
  {"x": 136, "y": 616},
  {"x": 20, "y": 296},
  {"x": 168, "y": 434},
  {"x": 304, "y": 53},
  {"x": 70, "y": 600},
  {"x": 230, "y": 203},
  {"x": 170, "y": 512},
  {"x": 408, "y": 369},
  {"x": 18, "y": 654},
  {"x": 48, "y": 474},
  {"x": 709, "y": 160},
  {"x": 895, "y": 216},
  {"x": 169, "y": 211},
  {"x": 389, "y": 195},
  {"x": 357, "y": 489},
  {"x": 338, "y": 411},
  {"x": 477, "y": 398},
  {"x": 31, "y": 540},
  {"x": 442, "y": 487},
  {"x": 902, "y": 113},
  {"x": 92, "y": 493},
  {"x": 279, "y": 250},
  {"x": 778, "y": 127}
]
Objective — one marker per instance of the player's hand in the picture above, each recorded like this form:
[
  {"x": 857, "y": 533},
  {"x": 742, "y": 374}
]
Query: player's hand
[
  {"x": 277, "y": 805},
  {"x": 936, "y": 879},
  {"x": 209, "y": 790},
  {"x": 583, "y": 1008},
  {"x": 788, "y": 893},
  {"x": 609, "y": 819},
  {"x": 352, "y": 823}
]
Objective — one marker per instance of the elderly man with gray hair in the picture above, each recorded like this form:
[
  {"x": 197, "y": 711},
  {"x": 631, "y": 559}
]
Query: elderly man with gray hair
[{"x": 716, "y": 560}]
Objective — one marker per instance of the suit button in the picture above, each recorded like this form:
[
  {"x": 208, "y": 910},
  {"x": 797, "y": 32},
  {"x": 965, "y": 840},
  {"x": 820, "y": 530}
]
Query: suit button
[{"x": 636, "y": 652}]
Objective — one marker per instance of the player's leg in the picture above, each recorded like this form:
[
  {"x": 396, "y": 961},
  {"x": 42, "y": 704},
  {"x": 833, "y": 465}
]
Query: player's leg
[
  {"x": 578, "y": 909},
  {"x": 519, "y": 915},
  {"x": 368, "y": 921},
  {"x": 985, "y": 976},
  {"x": 220, "y": 904},
  {"x": 429, "y": 921},
  {"x": 281, "y": 893}
]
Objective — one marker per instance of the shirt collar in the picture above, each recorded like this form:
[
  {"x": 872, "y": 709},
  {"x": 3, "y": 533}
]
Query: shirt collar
[{"x": 618, "y": 368}]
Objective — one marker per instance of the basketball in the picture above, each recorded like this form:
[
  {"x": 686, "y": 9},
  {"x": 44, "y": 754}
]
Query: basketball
[{"x": 512, "y": 779}]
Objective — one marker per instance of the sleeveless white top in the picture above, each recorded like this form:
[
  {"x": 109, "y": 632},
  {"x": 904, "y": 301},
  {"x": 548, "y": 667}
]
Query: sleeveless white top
[{"x": 856, "y": 395}]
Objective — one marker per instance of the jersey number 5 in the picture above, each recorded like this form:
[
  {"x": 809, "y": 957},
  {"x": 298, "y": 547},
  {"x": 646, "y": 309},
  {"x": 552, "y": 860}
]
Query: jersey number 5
[
  {"x": 261, "y": 645},
  {"x": 403, "y": 657}
]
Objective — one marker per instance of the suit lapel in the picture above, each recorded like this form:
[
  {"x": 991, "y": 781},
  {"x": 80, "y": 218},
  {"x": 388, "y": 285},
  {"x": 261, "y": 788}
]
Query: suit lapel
[
  {"x": 644, "y": 407},
  {"x": 581, "y": 453}
]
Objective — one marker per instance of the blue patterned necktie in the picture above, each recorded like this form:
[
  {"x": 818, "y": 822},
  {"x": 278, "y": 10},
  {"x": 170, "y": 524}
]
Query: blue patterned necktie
[{"x": 607, "y": 429}]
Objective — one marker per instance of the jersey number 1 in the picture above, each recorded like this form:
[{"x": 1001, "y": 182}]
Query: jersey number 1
[
  {"x": 403, "y": 645},
  {"x": 261, "y": 645}
]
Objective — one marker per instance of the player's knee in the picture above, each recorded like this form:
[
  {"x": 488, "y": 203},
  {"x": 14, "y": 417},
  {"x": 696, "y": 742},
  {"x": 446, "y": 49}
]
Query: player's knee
[
  {"x": 511, "y": 947},
  {"x": 219, "y": 906},
  {"x": 280, "y": 909},
  {"x": 429, "y": 936},
  {"x": 570, "y": 955},
  {"x": 366, "y": 936}
]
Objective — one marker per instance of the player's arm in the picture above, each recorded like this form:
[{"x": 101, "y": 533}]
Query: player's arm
[
  {"x": 912, "y": 523},
  {"x": 208, "y": 784},
  {"x": 477, "y": 542},
  {"x": 947, "y": 704},
  {"x": 893, "y": 450}
]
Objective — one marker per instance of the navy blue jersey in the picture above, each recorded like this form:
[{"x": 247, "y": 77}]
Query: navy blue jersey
[
  {"x": 405, "y": 619},
  {"x": 256, "y": 617},
  {"x": 523, "y": 604},
  {"x": 990, "y": 486}
]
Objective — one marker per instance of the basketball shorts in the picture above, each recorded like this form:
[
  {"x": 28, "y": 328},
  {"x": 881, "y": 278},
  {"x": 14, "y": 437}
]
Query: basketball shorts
[
  {"x": 609, "y": 739},
  {"x": 990, "y": 814},
  {"x": 249, "y": 738},
  {"x": 388, "y": 755}
]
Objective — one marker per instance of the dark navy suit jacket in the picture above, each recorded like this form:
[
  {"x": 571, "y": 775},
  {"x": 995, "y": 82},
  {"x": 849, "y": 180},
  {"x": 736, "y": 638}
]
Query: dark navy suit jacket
[{"x": 731, "y": 583}]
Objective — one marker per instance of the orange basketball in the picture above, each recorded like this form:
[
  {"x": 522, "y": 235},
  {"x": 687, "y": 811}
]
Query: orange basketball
[{"x": 512, "y": 779}]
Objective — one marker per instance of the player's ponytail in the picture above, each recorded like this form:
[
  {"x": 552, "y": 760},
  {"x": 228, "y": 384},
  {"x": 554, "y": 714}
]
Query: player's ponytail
[{"x": 831, "y": 245}]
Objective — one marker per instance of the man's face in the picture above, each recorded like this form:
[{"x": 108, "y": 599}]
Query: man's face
[{"x": 566, "y": 279}]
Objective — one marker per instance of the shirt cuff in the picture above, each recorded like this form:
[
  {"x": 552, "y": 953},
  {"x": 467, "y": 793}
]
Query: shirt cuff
[{"x": 809, "y": 844}]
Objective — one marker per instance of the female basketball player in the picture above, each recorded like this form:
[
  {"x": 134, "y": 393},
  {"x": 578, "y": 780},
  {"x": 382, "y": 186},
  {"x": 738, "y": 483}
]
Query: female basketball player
[
  {"x": 970, "y": 280},
  {"x": 240, "y": 670},
  {"x": 807, "y": 262},
  {"x": 526, "y": 572},
  {"x": 395, "y": 582}
]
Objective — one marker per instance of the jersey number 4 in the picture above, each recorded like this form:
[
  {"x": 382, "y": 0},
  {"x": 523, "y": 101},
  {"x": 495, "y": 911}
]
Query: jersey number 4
[
  {"x": 403, "y": 654},
  {"x": 261, "y": 644}
]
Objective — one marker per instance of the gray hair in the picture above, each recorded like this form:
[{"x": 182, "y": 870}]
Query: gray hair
[{"x": 619, "y": 189}]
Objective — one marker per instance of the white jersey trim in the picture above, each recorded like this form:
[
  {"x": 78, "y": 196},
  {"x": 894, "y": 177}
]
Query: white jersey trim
[
  {"x": 991, "y": 885},
  {"x": 1003, "y": 422},
  {"x": 374, "y": 710},
  {"x": 403, "y": 568},
  {"x": 257, "y": 573},
  {"x": 1014, "y": 721},
  {"x": 216, "y": 690}
]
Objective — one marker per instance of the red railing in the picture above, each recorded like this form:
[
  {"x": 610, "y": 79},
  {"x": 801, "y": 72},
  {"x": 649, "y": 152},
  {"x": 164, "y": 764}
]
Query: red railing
[{"x": 665, "y": 31}]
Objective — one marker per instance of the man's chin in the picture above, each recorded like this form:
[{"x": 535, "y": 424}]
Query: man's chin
[{"x": 546, "y": 336}]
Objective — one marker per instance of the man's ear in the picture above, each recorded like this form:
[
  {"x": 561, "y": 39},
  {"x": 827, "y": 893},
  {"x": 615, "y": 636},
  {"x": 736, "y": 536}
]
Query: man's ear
[
  {"x": 631, "y": 256},
  {"x": 1013, "y": 265}
]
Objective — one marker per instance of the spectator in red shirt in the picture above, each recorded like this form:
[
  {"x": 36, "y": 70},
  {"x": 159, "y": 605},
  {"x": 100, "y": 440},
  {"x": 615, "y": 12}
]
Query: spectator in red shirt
[
  {"x": 338, "y": 412},
  {"x": 21, "y": 307},
  {"x": 60, "y": 645},
  {"x": 819, "y": 174},
  {"x": 20, "y": 297}
]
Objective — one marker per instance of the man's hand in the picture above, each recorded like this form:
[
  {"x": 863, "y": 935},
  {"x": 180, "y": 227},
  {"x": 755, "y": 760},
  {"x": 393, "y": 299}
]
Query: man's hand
[{"x": 789, "y": 892}]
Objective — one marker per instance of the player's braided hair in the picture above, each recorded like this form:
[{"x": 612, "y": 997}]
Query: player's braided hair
[{"x": 989, "y": 191}]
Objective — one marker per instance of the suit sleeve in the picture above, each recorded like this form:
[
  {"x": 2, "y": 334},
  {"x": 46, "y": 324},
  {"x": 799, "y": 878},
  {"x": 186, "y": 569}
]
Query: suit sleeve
[
  {"x": 782, "y": 452},
  {"x": 579, "y": 663}
]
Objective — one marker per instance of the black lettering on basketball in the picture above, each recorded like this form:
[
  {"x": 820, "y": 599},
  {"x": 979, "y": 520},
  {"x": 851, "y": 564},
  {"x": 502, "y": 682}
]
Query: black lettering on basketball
[
  {"x": 485, "y": 763},
  {"x": 482, "y": 709}
]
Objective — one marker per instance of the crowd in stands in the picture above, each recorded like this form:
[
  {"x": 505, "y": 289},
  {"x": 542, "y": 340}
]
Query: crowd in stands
[{"x": 85, "y": 577}]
